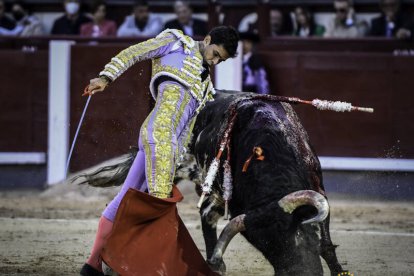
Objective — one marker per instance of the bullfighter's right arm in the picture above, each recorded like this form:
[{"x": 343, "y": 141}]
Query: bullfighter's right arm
[{"x": 152, "y": 48}]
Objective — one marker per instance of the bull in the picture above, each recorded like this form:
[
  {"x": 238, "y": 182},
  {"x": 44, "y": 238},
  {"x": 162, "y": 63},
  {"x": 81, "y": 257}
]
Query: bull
[{"x": 278, "y": 201}]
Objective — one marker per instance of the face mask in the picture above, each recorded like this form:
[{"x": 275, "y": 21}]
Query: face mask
[
  {"x": 72, "y": 8},
  {"x": 18, "y": 15}
]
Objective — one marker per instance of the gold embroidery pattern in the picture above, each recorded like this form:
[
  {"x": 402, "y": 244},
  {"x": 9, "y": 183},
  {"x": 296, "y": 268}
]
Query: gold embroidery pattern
[
  {"x": 134, "y": 54},
  {"x": 164, "y": 125},
  {"x": 186, "y": 100},
  {"x": 196, "y": 86},
  {"x": 188, "y": 132},
  {"x": 187, "y": 41},
  {"x": 147, "y": 149},
  {"x": 187, "y": 79},
  {"x": 189, "y": 75}
]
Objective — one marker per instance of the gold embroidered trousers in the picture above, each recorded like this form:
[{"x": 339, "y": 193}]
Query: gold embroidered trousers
[{"x": 163, "y": 135}]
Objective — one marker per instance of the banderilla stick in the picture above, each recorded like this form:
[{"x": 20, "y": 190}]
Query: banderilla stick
[{"x": 337, "y": 106}]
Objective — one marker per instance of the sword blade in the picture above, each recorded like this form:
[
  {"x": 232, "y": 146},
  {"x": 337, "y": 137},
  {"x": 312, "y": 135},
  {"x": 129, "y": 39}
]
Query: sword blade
[{"x": 76, "y": 135}]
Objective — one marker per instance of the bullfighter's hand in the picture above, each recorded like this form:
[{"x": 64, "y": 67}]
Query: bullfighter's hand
[{"x": 95, "y": 85}]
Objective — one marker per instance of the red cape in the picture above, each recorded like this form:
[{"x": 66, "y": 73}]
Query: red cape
[{"x": 149, "y": 238}]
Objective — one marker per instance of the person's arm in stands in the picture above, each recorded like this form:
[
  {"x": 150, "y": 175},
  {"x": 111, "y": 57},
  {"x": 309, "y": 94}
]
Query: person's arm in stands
[
  {"x": 38, "y": 29},
  {"x": 260, "y": 77},
  {"x": 128, "y": 27},
  {"x": 14, "y": 32},
  {"x": 155, "y": 26},
  {"x": 329, "y": 29}
]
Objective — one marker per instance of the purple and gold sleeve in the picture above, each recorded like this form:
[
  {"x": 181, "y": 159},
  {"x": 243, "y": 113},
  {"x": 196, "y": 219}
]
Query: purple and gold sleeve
[{"x": 149, "y": 49}]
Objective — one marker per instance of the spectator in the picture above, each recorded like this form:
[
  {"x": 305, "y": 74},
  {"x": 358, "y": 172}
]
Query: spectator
[
  {"x": 26, "y": 25},
  {"x": 185, "y": 21},
  {"x": 305, "y": 23},
  {"x": 280, "y": 24},
  {"x": 70, "y": 22},
  {"x": 141, "y": 22},
  {"x": 248, "y": 23},
  {"x": 254, "y": 73},
  {"x": 344, "y": 24},
  {"x": 6, "y": 23},
  {"x": 392, "y": 22},
  {"x": 100, "y": 26}
]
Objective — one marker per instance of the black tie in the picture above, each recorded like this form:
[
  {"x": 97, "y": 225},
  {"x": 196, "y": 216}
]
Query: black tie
[{"x": 205, "y": 73}]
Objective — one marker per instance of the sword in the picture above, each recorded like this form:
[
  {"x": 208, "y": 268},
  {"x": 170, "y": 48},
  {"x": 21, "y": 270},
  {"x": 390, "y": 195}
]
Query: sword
[{"x": 76, "y": 134}]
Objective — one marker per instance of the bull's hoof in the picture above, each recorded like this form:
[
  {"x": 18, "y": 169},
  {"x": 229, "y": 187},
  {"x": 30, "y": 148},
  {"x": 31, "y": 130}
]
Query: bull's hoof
[
  {"x": 218, "y": 266},
  {"x": 88, "y": 270}
]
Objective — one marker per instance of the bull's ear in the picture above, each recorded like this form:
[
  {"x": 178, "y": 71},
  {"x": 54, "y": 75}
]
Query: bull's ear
[{"x": 258, "y": 153}]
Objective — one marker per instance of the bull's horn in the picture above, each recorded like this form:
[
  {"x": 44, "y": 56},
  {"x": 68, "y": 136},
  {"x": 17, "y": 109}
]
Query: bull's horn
[
  {"x": 232, "y": 228},
  {"x": 306, "y": 197}
]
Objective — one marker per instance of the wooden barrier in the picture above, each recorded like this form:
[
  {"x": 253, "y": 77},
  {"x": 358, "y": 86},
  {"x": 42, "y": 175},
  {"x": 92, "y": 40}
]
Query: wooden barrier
[
  {"x": 364, "y": 79},
  {"x": 23, "y": 98},
  {"x": 349, "y": 71}
]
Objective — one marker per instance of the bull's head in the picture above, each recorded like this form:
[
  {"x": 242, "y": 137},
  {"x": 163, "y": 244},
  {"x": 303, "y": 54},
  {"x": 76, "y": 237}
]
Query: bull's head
[{"x": 289, "y": 204}]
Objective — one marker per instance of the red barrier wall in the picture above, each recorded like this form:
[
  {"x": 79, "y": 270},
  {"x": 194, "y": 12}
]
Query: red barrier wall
[
  {"x": 364, "y": 72},
  {"x": 376, "y": 80},
  {"x": 114, "y": 116}
]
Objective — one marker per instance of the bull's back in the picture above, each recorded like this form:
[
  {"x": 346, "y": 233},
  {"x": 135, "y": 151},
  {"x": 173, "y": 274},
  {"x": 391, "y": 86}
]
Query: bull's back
[{"x": 263, "y": 116}]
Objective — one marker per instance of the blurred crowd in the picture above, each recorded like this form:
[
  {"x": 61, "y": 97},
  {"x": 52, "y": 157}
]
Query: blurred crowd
[
  {"x": 141, "y": 22},
  {"x": 391, "y": 22}
]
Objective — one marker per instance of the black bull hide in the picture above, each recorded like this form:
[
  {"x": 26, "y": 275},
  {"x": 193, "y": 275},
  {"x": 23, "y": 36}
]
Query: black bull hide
[{"x": 289, "y": 165}]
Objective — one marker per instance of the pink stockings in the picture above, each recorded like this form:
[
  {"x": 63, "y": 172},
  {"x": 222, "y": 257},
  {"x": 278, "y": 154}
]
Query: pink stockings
[{"x": 104, "y": 229}]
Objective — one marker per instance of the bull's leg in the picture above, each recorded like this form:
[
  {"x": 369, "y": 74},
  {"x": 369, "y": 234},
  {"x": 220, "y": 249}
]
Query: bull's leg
[
  {"x": 210, "y": 212},
  {"x": 328, "y": 248}
]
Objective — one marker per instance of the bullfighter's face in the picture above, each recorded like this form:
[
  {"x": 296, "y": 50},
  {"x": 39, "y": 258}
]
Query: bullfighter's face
[{"x": 213, "y": 54}]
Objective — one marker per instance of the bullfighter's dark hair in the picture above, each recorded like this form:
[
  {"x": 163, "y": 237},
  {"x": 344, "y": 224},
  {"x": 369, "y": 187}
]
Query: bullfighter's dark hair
[{"x": 227, "y": 37}]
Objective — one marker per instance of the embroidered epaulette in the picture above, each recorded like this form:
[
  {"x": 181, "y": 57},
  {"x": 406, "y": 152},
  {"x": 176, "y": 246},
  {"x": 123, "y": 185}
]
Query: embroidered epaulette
[{"x": 187, "y": 41}]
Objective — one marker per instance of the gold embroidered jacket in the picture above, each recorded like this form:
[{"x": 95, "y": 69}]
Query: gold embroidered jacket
[{"x": 173, "y": 54}]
